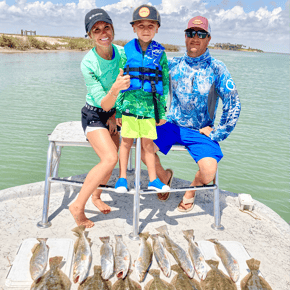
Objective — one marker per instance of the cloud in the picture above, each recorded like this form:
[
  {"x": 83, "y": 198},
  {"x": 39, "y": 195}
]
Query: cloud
[{"x": 264, "y": 28}]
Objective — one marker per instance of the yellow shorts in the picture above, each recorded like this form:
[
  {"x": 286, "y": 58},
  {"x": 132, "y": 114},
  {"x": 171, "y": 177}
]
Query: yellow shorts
[{"x": 138, "y": 128}]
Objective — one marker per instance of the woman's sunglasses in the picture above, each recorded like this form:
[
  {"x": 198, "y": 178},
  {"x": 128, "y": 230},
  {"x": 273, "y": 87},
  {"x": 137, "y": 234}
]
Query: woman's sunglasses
[{"x": 200, "y": 33}]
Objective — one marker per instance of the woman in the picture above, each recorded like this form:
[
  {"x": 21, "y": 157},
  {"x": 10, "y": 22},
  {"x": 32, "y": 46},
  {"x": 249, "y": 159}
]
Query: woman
[{"x": 104, "y": 80}]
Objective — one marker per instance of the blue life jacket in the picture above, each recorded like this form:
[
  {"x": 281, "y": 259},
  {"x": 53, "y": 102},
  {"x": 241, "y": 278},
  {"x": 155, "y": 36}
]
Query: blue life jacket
[{"x": 144, "y": 72}]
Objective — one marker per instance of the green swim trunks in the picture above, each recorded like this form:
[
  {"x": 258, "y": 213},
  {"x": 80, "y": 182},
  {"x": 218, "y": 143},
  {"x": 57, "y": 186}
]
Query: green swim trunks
[{"x": 133, "y": 127}]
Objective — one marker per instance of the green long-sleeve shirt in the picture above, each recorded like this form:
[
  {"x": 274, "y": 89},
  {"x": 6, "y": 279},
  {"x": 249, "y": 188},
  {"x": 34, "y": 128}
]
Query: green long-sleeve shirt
[{"x": 140, "y": 103}]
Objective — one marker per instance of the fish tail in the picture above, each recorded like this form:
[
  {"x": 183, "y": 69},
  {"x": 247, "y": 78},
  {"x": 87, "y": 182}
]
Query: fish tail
[
  {"x": 163, "y": 230},
  {"x": 154, "y": 272},
  {"x": 154, "y": 236},
  {"x": 79, "y": 230},
  {"x": 144, "y": 235},
  {"x": 42, "y": 239},
  {"x": 105, "y": 239},
  {"x": 176, "y": 268},
  {"x": 118, "y": 237},
  {"x": 213, "y": 263},
  {"x": 215, "y": 241},
  {"x": 54, "y": 262},
  {"x": 253, "y": 264},
  {"x": 97, "y": 269},
  {"x": 188, "y": 234}
]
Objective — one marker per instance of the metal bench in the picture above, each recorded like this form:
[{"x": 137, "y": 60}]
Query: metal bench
[{"x": 71, "y": 134}]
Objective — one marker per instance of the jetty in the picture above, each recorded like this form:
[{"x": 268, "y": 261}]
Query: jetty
[{"x": 263, "y": 235}]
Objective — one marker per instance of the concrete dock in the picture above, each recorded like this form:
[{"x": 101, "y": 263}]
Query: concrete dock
[{"x": 264, "y": 237}]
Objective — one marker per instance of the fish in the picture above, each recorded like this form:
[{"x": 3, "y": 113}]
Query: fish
[
  {"x": 181, "y": 280},
  {"x": 230, "y": 263},
  {"x": 177, "y": 252},
  {"x": 160, "y": 255},
  {"x": 196, "y": 256},
  {"x": 157, "y": 283},
  {"x": 83, "y": 255},
  {"x": 38, "y": 261},
  {"x": 216, "y": 279},
  {"x": 54, "y": 278},
  {"x": 144, "y": 258},
  {"x": 126, "y": 283},
  {"x": 96, "y": 281},
  {"x": 122, "y": 258},
  {"x": 107, "y": 258},
  {"x": 253, "y": 280}
]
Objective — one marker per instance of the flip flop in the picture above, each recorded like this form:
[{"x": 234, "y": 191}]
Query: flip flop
[
  {"x": 163, "y": 196},
  {"x": 186, "y": 201}
]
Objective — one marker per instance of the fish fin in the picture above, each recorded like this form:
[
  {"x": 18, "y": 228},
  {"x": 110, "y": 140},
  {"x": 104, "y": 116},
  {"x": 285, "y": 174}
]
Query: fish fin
[
  {"x": 253, "y": 264},
  {"x": 163, "y": 229},
  {"x": 105, "y": 239},
  {"x": 55, "y": 262},
  {"x": 34, "y": 248},
  {"x": 144, "y": 235},
  {"x": 213, "y": 263},
  {"x": 154, "y": 272},
  {"x": 76, "y": 244}
]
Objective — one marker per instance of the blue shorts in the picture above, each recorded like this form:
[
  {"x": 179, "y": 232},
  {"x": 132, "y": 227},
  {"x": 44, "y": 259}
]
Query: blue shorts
[{"x": 198, "y": 145}]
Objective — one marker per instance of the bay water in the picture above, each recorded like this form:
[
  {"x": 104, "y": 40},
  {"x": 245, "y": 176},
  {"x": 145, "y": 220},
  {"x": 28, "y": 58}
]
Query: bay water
[{"x": 40, "y": 90}]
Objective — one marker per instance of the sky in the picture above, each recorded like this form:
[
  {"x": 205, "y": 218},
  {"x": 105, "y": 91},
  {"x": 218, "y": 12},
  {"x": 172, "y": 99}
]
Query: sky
[{"x": 257, "y": 24}]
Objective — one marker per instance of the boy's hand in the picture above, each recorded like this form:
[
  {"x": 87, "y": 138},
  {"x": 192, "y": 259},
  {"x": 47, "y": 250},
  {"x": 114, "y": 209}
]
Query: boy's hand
[
  {"x": 112, "y": 125},
  {"x": 122, "y": 82},
  {"x": 119, "y": 122},
  {"x": 161, "y": 122},
  {"x": 205, "y": 131}
]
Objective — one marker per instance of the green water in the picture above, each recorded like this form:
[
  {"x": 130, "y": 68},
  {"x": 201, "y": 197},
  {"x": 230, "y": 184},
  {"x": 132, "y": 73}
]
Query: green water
[{"x": 38, "y": 91}]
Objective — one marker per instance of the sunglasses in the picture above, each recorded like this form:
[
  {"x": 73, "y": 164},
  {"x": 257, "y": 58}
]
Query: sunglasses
[{"x": 200, "y": 33}]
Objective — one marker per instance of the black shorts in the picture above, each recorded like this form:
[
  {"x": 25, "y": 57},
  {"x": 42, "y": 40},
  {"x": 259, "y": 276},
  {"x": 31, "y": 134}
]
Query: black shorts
[{"x": 95, "y": 117}]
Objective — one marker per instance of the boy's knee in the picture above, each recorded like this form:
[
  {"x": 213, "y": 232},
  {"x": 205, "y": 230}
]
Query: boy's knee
[{"x": 111, "y": 159}]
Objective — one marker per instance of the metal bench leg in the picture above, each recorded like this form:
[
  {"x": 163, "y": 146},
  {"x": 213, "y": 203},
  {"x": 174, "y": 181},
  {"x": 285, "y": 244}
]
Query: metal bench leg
[
  {"x": 55, "y": 163},
  {"x": 217, "y": 216},
  {"x": 135, "y": 234},
  {"x": 44, "y": 223}
]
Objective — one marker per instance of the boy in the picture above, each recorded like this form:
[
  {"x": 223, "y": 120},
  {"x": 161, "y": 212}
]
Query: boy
[{"x": 143, "y": 104}]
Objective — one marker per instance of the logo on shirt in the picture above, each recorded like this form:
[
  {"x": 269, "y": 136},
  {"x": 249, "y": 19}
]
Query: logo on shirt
[
  {"x": 144, "y": 12},
  {"x": 230, "y": 85}
]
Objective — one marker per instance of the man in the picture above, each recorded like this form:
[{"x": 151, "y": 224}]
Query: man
[{"x": 198, "y": 80}]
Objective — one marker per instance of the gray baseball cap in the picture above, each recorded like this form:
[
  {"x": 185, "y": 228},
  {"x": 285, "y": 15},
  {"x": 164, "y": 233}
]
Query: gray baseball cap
[
  {"x": 94, "y": 16},
  {"x": 146, "y": 12}
]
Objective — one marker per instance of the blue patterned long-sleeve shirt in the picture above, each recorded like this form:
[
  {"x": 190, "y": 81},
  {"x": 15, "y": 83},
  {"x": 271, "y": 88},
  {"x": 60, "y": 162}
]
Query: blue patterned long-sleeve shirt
[{"x": 197, "y": 84}]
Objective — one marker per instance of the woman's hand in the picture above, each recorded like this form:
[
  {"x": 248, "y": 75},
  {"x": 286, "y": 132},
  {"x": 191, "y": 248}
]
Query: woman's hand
[
  {"x": 112, "y": 125},
  {"x": 119, "y": 122},
  {"x": 122, "y": 82},
  {"x": 161, "y": 122}
]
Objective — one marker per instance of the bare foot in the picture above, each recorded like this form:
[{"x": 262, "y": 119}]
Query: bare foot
[
  {"x": 80, "y": 217},
  {"x": 103, "y": 207}
]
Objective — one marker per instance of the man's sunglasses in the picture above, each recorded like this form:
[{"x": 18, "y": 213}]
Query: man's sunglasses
[{"x": 200, "y": 33}]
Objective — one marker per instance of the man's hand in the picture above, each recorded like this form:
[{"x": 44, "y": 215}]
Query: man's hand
[
  {"x": 206, "y": 130},
  {"x": 119, "y": 122},
  {"x": 112, "y": 125},
  {"x": 161, "y": 122}
]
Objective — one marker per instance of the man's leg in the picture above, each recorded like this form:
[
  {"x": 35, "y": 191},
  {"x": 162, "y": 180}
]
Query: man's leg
[{"x": 205, "y": 174}]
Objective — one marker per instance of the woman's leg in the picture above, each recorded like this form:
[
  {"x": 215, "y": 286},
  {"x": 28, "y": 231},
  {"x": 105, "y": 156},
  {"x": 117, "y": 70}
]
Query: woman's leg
[
  {"x": 96, "y": 196},
  {"x": 106, "y": 149}
]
